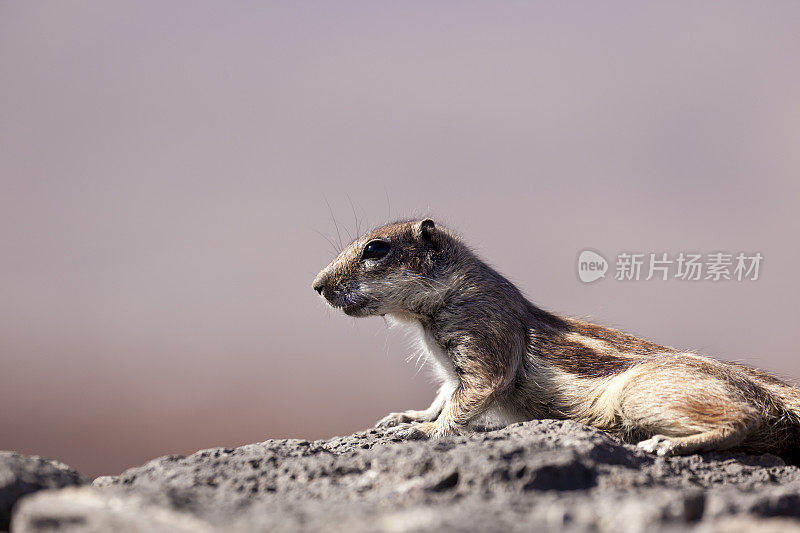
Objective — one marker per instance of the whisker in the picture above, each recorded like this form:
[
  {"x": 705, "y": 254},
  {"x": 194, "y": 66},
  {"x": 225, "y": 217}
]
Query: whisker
[
  {"x": 355, "y": 216},
  {"x": 335, "y": 224},
  {"x": 333, "y": 245},
  {"x": 388, "y": 205}
]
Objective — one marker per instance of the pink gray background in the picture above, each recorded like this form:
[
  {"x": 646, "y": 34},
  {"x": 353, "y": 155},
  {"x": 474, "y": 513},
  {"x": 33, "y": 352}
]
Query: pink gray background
[{"x": 165, "y": 169}]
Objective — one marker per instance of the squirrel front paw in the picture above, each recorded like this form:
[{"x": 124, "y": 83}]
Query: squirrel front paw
[
  {"x": 395, "y": 419},
  {"x": 423, "y": 431}
]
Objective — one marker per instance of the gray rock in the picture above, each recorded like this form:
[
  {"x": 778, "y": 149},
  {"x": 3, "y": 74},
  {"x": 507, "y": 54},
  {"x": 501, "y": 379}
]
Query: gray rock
[
  {"x": 553, "y": 475},
  {"x": 89, "y": 510},
  {"x": 25, "y": 474}
]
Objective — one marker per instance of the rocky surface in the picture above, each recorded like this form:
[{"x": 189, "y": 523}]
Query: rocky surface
[
  {"x": 552, "y": 475},
  {"x": 24, "y": 474}
]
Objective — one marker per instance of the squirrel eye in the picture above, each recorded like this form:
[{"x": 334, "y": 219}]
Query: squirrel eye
[{"x": 375, "y": 250}]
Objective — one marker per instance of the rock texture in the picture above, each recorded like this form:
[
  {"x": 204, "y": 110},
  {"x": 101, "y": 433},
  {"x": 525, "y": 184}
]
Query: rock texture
[
  {"x": 23, "y": 474},
  {"x": 550, "y": 475}
]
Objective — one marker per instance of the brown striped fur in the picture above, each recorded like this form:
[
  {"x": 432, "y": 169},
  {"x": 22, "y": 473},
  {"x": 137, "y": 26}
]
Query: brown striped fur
[{"x": 501, "y": 359}]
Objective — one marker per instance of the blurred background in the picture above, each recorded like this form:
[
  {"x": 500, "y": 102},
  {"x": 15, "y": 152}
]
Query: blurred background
[{"x": 166, "y": 170}]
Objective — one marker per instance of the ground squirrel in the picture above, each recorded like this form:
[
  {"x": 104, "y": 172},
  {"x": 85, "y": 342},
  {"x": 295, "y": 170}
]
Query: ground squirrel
[{"x": 501, "y": 359}]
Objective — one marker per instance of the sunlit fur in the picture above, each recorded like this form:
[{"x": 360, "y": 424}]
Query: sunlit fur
[{"x": 500, "y": 359}]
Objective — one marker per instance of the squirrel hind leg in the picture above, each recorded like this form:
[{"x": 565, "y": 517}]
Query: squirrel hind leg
[{"x": 714, "y": 440}]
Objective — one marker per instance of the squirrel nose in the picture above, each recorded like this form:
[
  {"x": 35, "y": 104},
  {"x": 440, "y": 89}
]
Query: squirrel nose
[{"x": 319, "y": 284}]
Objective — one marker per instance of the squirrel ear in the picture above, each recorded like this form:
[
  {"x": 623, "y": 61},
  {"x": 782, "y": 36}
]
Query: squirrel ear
[{"x": 424, "y": 229}]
